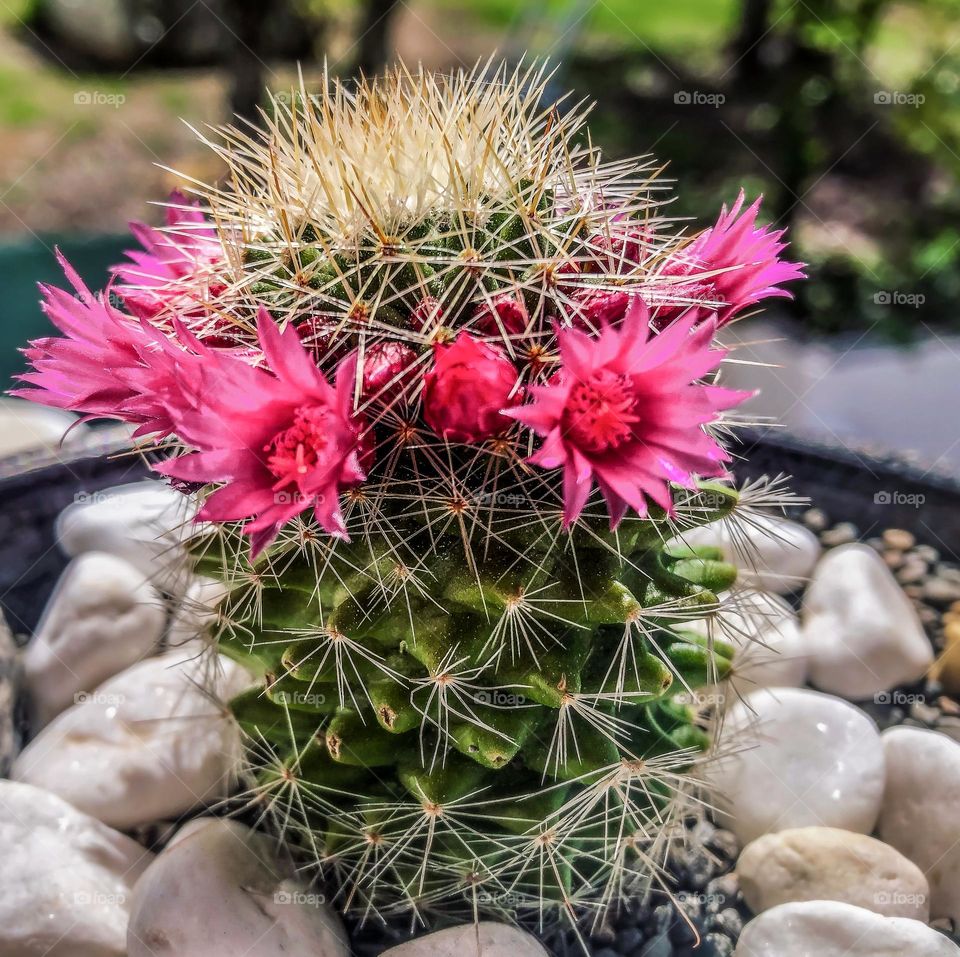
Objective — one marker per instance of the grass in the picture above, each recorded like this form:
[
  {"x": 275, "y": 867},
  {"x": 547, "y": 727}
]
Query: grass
[{"x": 627, "y": 23}]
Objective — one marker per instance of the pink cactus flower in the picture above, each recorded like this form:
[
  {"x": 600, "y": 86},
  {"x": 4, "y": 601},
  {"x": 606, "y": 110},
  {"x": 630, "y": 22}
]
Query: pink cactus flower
[
  {"x": 505, "y": 313},
  {"x": 628, "y": 411},
  {"x": 174, "y": 268},
  {"x": 465, "y": 392},
  {"x": 106, "y": 364},
  {"x": 279, "y": 441},
  {"x": 383, "y": 367},
  {"x": 744, "y": 260}
]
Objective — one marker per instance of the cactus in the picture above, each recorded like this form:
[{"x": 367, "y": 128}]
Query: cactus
[
  {"x": 443, "y": 382},
  {"x": 502, "y": 738}
]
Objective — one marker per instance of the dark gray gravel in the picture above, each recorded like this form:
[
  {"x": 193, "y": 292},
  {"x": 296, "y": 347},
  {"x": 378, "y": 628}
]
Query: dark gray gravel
[{"x": 9, "y": 698}]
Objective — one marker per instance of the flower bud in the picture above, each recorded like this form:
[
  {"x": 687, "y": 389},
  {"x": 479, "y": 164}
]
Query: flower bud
[
  {"x": 503, "y": 314},
  {"x": 383, "y": 363},
  {"x": 465, "y": 391}
]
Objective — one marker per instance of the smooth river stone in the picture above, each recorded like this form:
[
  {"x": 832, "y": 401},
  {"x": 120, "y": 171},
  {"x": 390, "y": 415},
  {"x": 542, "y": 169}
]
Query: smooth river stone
[
  {"x": 770, "y": 552},
  {"x": 790, "y": 758},
  {"x": 66, "y": 879},
  {"x": 862, "y": 631},
  {"x": 920, "y": 815},
  {"x": 102, "y": 617},
  {"x": 484, "y": 939},
  {"x": 221, "y": 891},
  {"x": 769, "y": 649},
  {"x": 144, "y": 523},
  {"x": 832, "y": 929},
  {"x": 148, "y": 744},
  {"x": 826, "y": 863}
]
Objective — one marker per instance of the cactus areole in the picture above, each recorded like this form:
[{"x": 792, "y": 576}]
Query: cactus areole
[{"x": 444, "y": 382}]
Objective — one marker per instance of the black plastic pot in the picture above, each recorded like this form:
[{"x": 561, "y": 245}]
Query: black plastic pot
[{"x": 859, "y": 487}]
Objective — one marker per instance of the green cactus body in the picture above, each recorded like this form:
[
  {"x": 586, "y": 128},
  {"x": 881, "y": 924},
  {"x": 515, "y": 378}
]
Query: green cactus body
[{"x": 504, "y": 736}]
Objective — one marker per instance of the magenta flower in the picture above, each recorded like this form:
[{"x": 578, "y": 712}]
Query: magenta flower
[
  {"x": 466, "y": 391},
  {"x": 743, "y": 261},
  {"x": 173, "y": 269},
  {"x": 505, "y": 313},
  {"x": 279, "y": 441},
  {"x": 628, "y": 411},
  {"x": 105, "y": 364}
]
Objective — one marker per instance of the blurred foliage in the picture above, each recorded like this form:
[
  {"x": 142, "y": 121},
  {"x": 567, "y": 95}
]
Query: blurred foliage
[{"x": 844, "y": 113}]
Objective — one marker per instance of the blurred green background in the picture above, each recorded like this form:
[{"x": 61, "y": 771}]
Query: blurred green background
[{"x": 844, "y": 113}]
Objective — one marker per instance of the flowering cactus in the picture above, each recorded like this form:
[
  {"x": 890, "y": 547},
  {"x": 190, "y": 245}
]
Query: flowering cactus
[{"x": 444, "y": 382}]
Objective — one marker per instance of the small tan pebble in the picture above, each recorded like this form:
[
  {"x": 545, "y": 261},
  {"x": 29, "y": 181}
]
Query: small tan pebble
[
  {"x": 946, "y": 669},
  {"x": 928, "y": 553},
  {"x": 840, "y": 534},
  {"x": 951, "y": 631},
  {"x": 948, "y": 706},
  {"x": 899, "y": 538},
  {"x": 954, "y": 608},
  {"x": 927, "y": 615},
  {"x": 912, "y": 570},
  {"x": 815, "y": 519},
  {"x": 913, "y": 591},
  {"x": 893, "y": 558},
  {"x": 923, "y": 712}
]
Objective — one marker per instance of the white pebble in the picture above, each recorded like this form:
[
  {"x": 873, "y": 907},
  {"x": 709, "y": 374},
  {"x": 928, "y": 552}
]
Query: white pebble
[
  {"x": 789, "y": 758},
  {"x": 66, "y": 880},
  {"x": 832, "y": 929},
  {"x": 149, "y": 743},
  {"x": 920, "y": 815},
  {"x": 771, "y": 553},
  {"x": 221, "y": 891},
  {"x": 102, "y": 617},
  {"x": 144, "y": 523},
  {"x": 863, "y": 634},
  {"x": 471, "y": 940},
  {"x": 25, "y": 426},
  {"x": 196, "y": 612},
  {"x": 765, "y": 632}
]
